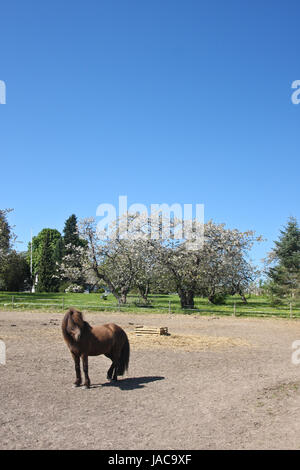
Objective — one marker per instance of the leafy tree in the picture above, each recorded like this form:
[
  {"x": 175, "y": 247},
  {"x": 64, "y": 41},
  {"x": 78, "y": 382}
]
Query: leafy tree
[
  {"x": 47, "y": 266},
  {"x": 46, "y": 252},
  {"x": 54, "y": 238},
  {"x": 16, "y": 272},
  {"x": 6, "y": 235}
]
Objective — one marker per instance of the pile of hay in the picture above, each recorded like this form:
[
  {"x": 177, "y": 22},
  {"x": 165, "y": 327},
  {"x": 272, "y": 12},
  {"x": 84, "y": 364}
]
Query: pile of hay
[{"x": 184, "y": 342}]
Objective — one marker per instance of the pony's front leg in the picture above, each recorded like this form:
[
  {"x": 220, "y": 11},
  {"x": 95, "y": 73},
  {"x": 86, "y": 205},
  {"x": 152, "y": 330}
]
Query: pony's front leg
[
  {"x": 76, "y": 358},
  {"x": 85, "y": 365}
]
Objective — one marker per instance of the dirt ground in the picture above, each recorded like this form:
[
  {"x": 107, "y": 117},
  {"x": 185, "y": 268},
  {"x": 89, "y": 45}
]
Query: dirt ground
[{"x": 214, "y": 383}]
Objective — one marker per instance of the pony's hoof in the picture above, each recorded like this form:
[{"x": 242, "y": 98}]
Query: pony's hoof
[{"x": 75, "y": 385}]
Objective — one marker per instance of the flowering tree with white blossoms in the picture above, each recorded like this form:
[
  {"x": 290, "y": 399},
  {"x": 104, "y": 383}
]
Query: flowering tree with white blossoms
[
  {"x": 125, "y": 259},
  {"x": 140, "y": 249},
  {"x": 217, "y": 267},
  {"x": 75, "y": 269},
  {"x": 110, "y": 261}
]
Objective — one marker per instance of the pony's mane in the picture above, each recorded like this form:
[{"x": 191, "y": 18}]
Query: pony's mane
[
  {"x": 73, "y": 325},
  {"x": 76, "y": 316}
]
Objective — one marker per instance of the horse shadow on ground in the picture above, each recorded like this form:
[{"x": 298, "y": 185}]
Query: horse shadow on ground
[{"x": 131, "y": 383}]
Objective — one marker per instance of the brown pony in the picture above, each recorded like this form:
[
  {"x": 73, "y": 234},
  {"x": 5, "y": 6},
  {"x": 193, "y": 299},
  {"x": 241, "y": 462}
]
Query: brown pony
[{"x": 85, "y": 340}]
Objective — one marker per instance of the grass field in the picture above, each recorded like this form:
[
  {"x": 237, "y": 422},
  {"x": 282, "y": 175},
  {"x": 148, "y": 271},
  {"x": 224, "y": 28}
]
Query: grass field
[{"x": 256, "y": 306}]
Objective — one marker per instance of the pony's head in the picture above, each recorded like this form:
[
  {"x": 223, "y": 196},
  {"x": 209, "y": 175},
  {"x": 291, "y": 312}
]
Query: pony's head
[{"x": 74, "y": 323}]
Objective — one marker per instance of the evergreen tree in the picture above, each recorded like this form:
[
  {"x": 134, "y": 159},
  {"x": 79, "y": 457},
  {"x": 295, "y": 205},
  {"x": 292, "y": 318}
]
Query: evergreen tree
[
  {"x": 71, "y": 236},
  {"x": 285, "y": 276},
  {"x": 287, "y": 249},
  {"x": 70, "y": 232},
  {"x": 58, "y": 250}
]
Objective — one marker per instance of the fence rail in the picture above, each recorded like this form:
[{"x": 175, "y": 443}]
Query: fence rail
[{"x": 61, "y": 304}]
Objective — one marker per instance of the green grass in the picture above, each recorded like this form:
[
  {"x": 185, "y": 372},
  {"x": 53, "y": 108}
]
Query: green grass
[{"x": 256, "y": 306}]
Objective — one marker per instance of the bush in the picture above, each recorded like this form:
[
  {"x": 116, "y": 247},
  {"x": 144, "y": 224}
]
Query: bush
[
  {"x": 219, "y": 299},
  {"x": 276, "y": 301},
  {"x": 74, "y": 288},
  {"x": 63, "y": 286}
]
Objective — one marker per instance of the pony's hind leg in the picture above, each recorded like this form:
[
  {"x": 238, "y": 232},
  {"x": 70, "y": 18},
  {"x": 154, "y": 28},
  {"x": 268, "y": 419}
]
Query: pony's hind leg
[
  {"x": 115, "y": 376},
  {"x": 110, "y": 371},
  {"x": 85, "y": 365},
  {"x": 112, "y": 368},
  {"x": 76, "y": 358}
]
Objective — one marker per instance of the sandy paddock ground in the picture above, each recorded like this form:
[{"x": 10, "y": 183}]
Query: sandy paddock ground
[{"x": 214, "y": 383}]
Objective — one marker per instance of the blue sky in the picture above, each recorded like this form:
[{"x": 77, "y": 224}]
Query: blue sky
[{"x": 163, "y": 101}]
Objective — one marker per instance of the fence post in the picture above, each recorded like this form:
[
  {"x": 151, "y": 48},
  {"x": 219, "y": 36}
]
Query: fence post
[
  {"x": 63, "y": 303},
  {"x": 291, "y": 310},
  {"x": 234, "y": 308},
  {"x": 169, "y": 306},
  {"x": 13, "y": 301}
]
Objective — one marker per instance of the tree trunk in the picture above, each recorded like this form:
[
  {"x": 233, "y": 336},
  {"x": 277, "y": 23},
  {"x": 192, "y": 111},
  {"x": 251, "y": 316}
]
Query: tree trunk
[
  {"x": 123, "y": 298},
  {"x": 116, "y": 295},
  {"x": 144, "y": 291},
  {"x": 186, "y": 298},
  {"x": 190, "y": 299},
  {"x": 182, "y": 296},
  {"x": 211, "y": 297}
]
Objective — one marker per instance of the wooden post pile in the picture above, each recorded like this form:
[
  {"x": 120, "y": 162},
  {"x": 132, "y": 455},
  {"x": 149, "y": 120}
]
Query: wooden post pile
[{"x": 141, "y": 330}]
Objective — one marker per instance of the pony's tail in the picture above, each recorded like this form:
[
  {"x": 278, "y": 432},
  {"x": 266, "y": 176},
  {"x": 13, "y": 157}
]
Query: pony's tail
[{"x": 124, "y": 358}]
